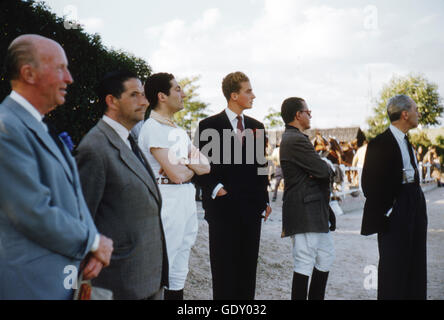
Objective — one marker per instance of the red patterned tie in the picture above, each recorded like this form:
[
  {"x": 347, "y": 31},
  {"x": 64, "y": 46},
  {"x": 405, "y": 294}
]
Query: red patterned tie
[{"x": 240, "y": 128}]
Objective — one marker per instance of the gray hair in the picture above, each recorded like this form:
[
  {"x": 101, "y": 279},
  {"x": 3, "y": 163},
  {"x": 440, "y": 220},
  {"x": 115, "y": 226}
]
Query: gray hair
[
  {"x": 397, "y": 104},
  {"x": 20, "y": 52}
]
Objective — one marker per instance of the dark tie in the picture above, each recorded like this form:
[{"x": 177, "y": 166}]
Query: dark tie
[
  {"x": 240, "y": 128},
  {"x": 53, "y": 133},
  {"x": 136, "y": 149},
  {"x": 412, "y": 158}
]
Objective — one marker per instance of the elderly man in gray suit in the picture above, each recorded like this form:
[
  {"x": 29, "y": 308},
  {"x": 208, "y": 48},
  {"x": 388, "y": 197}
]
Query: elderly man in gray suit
[
  {"x": 121, "y": 193},
  {"x": 45, "y": 226},
  {"x": 306, "y": 214}
]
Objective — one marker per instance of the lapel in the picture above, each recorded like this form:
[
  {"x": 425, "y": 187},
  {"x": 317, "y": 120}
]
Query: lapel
[
  {"x": 224, "y": 122},
  {"x": 395, "y": 147},
  {"x": 248, "y": 123},
  {"x": 130, "y": 160},
  {"x": 43, "y": 136}
]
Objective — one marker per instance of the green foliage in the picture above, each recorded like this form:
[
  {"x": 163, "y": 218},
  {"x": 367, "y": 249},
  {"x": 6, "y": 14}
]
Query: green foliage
[
  {"x": 423, "y": 92},
  {"x": 89, "y": 60},
  {"x": 420, "y": 139},
  {"x": 273, "y": 119},
  {"x": 440, "y": 141},
  {"x": 194, "y": 110}
]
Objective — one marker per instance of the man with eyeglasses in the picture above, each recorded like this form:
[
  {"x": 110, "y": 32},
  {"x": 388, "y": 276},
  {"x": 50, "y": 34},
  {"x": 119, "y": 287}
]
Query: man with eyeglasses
[{"x": 306, "y": 214}]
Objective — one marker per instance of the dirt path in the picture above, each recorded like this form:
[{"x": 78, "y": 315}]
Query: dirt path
[{"x": 354, "y": 253}]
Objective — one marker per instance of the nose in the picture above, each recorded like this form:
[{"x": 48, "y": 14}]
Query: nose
[
  {"x": 144, "y": 101},
  {"x": 68, "y": 77}
]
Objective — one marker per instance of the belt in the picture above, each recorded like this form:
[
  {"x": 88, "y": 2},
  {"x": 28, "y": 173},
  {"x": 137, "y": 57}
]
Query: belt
[{"x": 164, "y": 180}]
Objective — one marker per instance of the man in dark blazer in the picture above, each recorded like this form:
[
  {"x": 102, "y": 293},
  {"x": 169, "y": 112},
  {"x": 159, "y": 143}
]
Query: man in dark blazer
[
  {"x": 122, "y": 194},
  {"x": 306, "y": 214},
  {"x": 395, "y": 207},
  {"x": 45, "y": 226},
  {"x": 235, "y": 191}
]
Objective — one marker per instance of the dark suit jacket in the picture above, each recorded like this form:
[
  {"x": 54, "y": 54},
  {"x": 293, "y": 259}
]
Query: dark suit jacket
[
  {"x": 307, "y": 186},
  {"x": 381, "y": 181},
  {"x": 125, "y": 203},
  {"x": 245, "y": 181}
]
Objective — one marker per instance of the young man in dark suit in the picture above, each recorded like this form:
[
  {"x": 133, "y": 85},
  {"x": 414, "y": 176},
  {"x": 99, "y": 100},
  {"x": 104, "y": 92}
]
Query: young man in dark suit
[
  {"x": 235, "y": 191},
  {"x": 395, "y": 207}
]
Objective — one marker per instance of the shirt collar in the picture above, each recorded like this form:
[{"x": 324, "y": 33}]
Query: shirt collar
[
  {"x": 26, "y": 105},
  {"x": 231, "y": 115},
  {"x": 120, "y": 129},
  {"x": 397, "y": 133}
]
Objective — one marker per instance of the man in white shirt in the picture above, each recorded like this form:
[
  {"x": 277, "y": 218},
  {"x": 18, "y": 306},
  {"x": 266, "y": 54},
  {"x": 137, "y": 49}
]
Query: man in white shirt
[
  {"x": 395, "y": 207},
  {"x": 45, "y": 225},
  {"x": 175, "y": 162},
  {"x": 121, "y": 192}
]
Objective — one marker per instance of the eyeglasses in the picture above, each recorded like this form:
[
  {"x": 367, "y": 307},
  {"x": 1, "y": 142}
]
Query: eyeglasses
[{"x": 307, "y": 111}]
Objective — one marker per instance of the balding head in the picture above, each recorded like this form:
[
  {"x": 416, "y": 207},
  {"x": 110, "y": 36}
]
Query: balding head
[
  {"x": 38, "y": 70},
  {"x": 25, "y": 49}
]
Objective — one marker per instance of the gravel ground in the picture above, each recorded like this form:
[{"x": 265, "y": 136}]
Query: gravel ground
[{"x": 354, "y": 253}]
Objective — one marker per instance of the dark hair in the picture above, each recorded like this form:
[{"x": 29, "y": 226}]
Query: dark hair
[
  {"x": 19, "y": 53},
  {"x": 289, "y": 108},
  {"x": 112, "y": 83},
  {"x": 232, "y": 83},
  {"x": 159, "y": 82}
]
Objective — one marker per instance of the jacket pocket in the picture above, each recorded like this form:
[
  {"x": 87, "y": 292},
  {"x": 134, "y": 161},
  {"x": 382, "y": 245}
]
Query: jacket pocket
[
  {"x": 122, "y": 252},
  {"x": 313, "y": 209},
  {"x": 313, "y": 197}
]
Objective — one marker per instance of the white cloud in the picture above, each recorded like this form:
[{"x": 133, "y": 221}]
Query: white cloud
[
  {"x": 322, "y": 53},
  {"x": 92, "y": 24}
]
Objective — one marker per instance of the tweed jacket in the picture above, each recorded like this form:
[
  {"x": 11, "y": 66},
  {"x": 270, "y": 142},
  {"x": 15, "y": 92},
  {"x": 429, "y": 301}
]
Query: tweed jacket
[
  {"x": 307, "y": 180},
  {"x": 125, "y": 202}
]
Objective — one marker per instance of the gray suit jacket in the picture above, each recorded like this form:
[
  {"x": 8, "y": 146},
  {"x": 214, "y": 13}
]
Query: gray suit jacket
[
  {"x": 45, "y": 225},
  {"x": 307, "y": 179},
  {"x": 125, "y": 203}
]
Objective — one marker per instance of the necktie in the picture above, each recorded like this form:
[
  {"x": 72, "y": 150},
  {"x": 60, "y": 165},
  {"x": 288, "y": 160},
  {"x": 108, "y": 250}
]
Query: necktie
[
  {"x": 53, "y": 133},
  {"x": 135, "y": 149},
  {"x": 240, "y": 128},
  {"x": 412, "y": 158}
]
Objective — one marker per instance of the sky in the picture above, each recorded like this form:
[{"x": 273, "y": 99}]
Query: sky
[{"x": 336, "y": 54}]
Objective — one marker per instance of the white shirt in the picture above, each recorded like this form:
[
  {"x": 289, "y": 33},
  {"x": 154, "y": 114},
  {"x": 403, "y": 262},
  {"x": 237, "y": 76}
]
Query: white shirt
[
  {"x": 121, "y": 131},
  {"x": 158, "y": 135},
  {"x": 408, "y": 168},
  {"x": 39, "y": 117},
  {"x": 233, "y": 119}
]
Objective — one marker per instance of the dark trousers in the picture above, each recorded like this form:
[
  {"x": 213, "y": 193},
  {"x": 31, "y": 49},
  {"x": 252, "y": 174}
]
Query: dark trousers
[
  {"x": 234, "y": 236},
  {"x": 402, "y": 271}
]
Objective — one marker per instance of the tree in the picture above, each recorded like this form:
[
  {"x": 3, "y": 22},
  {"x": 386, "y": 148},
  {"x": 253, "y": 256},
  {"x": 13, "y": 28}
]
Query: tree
[
  {"x": 194, "y": 110},
  {"x": 273, "y": 119},
  {"x": 89, "y": 60},
  {"x": 422, "y": 91}
]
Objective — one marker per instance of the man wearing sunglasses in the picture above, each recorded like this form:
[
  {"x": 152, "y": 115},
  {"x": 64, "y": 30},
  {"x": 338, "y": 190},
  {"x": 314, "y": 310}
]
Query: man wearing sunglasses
[{"x": 306, "y": 214}]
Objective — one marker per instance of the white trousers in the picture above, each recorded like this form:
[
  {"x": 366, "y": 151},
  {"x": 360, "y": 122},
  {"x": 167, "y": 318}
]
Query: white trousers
[
  {"x": 179, "y": 219},
  {"x": 312, "y": 250}
]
